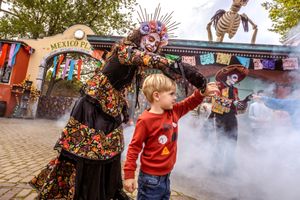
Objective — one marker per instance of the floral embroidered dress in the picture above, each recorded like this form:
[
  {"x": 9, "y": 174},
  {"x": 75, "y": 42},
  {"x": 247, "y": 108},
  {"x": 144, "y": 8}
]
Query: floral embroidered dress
[{"x": 88, "y": 165}]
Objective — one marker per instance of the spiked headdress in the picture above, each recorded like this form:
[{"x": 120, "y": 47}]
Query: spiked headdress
[{"x": 157, "y": 23}]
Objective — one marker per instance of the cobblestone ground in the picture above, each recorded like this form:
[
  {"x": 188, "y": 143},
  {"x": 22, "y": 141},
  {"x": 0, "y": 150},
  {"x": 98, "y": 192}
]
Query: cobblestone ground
[{"x": 25, "y": 148}]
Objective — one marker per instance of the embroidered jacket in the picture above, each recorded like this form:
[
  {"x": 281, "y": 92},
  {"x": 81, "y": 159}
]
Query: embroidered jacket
[{"x": 224, "y": 103}]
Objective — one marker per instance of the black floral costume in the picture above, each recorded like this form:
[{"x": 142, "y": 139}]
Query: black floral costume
[{"x": 89, "y": 163}]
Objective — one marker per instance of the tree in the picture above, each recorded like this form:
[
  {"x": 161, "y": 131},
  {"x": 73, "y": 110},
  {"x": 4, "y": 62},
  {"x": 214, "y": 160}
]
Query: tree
[
  {"x": 41, "y": 18},
  {"x": 285, "y": 15}
]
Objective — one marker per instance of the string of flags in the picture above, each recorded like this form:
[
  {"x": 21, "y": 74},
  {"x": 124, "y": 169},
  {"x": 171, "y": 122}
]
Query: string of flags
[
  {"x": 290, "y": 63},
  {"x": 68, "y": 69},
  {"x": 8, "y": 52}
]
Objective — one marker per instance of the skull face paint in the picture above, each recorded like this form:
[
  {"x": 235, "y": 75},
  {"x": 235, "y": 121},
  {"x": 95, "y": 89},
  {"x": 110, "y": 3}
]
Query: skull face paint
[
  {"x": 232, "y": 79},
  {"x": 150, "y": 42}
]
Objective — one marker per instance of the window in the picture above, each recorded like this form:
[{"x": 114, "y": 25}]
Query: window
[{"x": 5, "y": 73}]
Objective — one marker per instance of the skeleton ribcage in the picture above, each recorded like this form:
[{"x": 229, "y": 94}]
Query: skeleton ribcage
[{"x": 228, "y": 23}]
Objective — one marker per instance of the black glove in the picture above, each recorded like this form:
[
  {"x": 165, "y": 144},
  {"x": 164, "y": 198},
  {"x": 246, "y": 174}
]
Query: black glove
[
  {"x": 192, "y": 74},
  {"x": 248, "y": 98},
  {"x": 179, "y": 70}
]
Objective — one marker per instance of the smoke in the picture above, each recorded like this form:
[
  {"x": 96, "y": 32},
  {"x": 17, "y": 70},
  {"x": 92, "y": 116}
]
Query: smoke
[
  {"x": 262, "y": 166},
  {"x": 266, "y": 165}
]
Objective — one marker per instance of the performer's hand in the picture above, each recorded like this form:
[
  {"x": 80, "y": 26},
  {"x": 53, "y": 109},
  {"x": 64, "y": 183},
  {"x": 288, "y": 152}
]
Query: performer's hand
[
  {"x": 211, "y": 90},
  {"x": 241, "y": 105},
  {"x": 129, "y": 185}
]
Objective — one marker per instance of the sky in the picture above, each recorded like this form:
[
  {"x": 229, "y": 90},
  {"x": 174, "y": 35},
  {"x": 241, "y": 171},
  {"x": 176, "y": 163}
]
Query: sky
[{"x": 195, "y": 14}]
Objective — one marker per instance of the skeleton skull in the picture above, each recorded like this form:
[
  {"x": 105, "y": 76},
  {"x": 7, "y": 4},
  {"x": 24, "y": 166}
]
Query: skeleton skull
[
  {"x": 240, "y": 2},
  {"x": 150, "y": 42}
]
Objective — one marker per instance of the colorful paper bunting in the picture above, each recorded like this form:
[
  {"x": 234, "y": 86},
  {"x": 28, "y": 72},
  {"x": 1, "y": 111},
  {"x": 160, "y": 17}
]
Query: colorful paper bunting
[
  {"x": 172, "y": 57},
  {"x": 223, "y": 58},
  {"x": 71, "y": 71},
  {"x": 54, "y": 66},
  {"x": 189, "y": 60},
  {"x": 290, "y": 63},
  {"x": 79, "y": 63},
  {"x": 60, "y": 60},
  {"x": 5, "y": 48},
  {"x": 244, "y": 61},
  {"x": 268, "y": 64},
  {"x": 257, "y": 64},
  {"x": 11, "y": 53},
  {"x": 207, "y": 59},
  {"x": 65, "y": 68},
  {"x": 16, "y": 50}
]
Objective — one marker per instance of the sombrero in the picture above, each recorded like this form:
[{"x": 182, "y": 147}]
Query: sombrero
[{"x": 240, "y": 70}]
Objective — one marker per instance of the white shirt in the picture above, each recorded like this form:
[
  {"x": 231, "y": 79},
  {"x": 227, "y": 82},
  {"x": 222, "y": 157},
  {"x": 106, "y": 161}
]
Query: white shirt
[{"x": 260, "y": 115}]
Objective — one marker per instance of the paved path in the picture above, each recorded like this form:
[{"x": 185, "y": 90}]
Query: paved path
[{"x": 25, "y": 148}]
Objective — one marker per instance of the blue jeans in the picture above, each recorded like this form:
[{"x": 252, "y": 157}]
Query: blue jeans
[{"x": 152, "y": 187}]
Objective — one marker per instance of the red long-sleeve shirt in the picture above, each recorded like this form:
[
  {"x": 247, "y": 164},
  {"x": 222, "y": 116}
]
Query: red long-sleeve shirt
[{"x": 158, "y": 134}]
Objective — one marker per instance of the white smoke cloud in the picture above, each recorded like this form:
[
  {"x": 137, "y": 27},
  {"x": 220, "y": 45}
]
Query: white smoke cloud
[
  {"x": 267, "y": 168},
  {"x": 267, "y": 165}
]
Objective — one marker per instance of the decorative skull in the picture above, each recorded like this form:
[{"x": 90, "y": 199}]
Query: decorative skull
[{"x": 240, "y": 2}]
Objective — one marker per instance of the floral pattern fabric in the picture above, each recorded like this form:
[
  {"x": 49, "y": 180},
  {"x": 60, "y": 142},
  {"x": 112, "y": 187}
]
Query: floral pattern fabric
[
  {"x": 130, "y": 55},
  {"x": 56, "y": 181},
  {"x": 110, "y": 99},
  {"x": 89, "y": 143}
]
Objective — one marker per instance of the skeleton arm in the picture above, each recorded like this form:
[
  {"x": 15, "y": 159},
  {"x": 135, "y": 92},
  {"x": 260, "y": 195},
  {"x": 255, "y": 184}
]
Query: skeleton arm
[
  {"x": 254, "y": 27},
  {"x": 209, "y": 34}
]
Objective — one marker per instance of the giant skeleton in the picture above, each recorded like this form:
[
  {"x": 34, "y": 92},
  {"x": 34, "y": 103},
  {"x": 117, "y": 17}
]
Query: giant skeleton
[{"x": 229, "y": 22}]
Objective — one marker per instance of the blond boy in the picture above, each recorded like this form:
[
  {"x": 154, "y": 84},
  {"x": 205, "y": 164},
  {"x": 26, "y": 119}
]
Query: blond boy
[{"x": 155, "y": 135}]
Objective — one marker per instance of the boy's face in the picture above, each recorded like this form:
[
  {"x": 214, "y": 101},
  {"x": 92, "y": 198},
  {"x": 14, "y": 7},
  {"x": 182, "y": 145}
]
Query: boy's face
[{"x": 167, "y": 99}]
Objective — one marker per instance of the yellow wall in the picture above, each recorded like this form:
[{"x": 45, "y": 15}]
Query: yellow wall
[{"x": 49, "y": 46}]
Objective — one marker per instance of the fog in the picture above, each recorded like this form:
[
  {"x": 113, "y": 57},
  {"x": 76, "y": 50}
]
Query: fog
[{"x": 267, "y": 166}]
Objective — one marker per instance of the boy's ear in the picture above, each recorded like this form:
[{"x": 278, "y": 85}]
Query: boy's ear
[{"x": 155, "y": 96}]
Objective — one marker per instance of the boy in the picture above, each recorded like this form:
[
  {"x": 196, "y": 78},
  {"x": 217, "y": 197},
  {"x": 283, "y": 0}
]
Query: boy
[{"x": 156, "y": 134}]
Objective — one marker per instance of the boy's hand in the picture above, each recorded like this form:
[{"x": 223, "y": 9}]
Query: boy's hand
[
  {"x": 129, "y": 185},
  {"x": 211, "y": 89}
]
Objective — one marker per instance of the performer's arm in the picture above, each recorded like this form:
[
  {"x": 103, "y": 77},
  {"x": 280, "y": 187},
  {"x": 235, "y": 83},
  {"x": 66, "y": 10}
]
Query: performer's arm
[
  {"x": 279, "y": 104},
  {"x": 130, "y": 55}
]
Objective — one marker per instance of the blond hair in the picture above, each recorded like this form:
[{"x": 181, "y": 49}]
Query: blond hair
[{"x": 157, "y": 83}]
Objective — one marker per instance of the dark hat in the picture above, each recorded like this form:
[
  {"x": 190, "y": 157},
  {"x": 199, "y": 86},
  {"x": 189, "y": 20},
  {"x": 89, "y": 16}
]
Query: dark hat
[{"x": 240, "y": 70}]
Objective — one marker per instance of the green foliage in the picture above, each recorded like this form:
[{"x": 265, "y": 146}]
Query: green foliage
[
  {"x": 41, "y": 18},
  {"x": 67, "y": 88},
  {"x": 64, "y": 87},
  {"x": 285, "y": 15}
]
